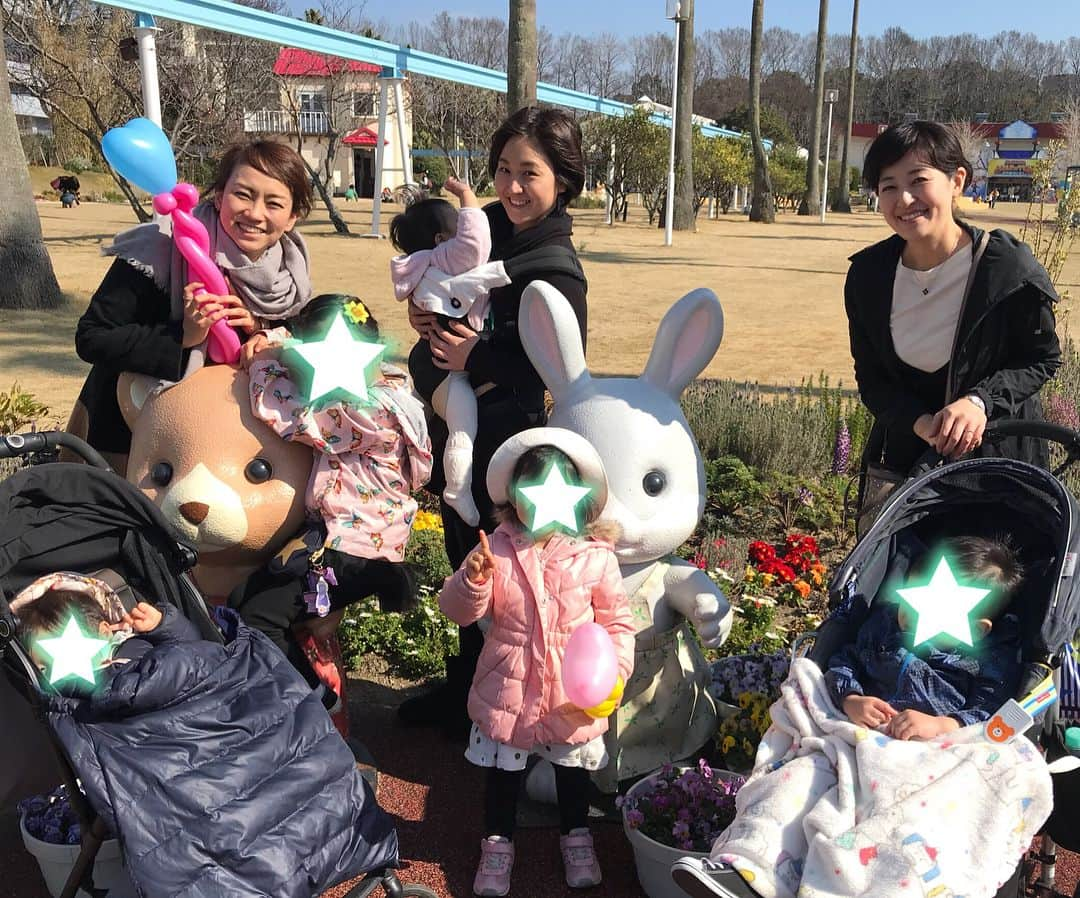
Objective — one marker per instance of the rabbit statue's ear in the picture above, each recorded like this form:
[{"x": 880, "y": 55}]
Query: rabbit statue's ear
[
  {"x": 552, "y": 337},
  {"x": 687, "y": 339}
]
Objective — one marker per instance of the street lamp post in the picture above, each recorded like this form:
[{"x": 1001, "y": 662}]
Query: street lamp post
[
  {"x": 831, "y": 96},
  {"x": 674, "y": 12}
]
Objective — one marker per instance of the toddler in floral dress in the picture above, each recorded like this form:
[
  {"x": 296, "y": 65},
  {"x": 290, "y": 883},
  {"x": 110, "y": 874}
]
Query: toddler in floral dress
[{"x": 369, "y": 458}]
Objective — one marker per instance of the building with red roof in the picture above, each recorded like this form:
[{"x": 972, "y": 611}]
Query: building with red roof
[{"x": 323, "y": 101}]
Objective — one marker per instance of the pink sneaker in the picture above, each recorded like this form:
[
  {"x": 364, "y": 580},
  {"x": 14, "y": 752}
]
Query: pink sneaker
[
  {"x": 579, "y": 859},
  {"x": 496, "y": 863}
]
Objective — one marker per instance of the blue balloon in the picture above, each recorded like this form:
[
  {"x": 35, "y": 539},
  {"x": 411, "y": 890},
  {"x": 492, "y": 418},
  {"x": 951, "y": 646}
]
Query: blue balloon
[{"x": 141, "y": 152}]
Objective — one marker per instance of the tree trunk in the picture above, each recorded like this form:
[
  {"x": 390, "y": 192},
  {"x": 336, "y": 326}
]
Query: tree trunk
[
  {"x": 811, "y": 201},
  {"x": 26, "y": 271},
  {"x": 842, "y": 203},
  {"x": 521, "y": 56},
  {"x": 685, "y": 214},
  {"x": 762, "y": 205}
]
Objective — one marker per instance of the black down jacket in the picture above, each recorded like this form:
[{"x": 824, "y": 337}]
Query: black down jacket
[{"x": 221, "y": 773}]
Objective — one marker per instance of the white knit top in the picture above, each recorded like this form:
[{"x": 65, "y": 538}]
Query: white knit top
[{"x": 926, "y": 310}]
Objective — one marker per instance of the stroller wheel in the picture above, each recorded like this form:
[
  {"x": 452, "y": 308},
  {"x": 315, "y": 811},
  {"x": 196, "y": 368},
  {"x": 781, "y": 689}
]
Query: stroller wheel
[{"x": 414, "y": 891}]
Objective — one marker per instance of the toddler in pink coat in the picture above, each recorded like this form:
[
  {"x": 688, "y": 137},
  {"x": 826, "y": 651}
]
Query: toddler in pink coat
[
  {"x": 444, "y": 269},
  {"x": 535, "y": 583}
]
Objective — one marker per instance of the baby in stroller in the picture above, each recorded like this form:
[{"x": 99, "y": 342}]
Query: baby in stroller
[
  {"x": 832, "y": 805},
  {"x": 210, "y": 759},
  {"x": 879, "y": 681},
  {"x": 42, "y": 610}
]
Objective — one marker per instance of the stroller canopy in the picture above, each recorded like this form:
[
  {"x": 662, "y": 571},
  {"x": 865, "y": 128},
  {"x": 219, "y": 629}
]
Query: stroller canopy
[{"x": 74, "y": 517}]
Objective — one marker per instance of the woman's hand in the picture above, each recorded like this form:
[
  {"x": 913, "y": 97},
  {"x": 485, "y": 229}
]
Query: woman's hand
[
  {"x": 196, "y": 322},
  {"x": 422, "y": 322},
  {"x": 201, "y": 312},
  {"x": 450, "y": 348},
  {"x": 480, "y": 565},
  {"x": 958, "y": 428},
  {"x": 924, "y": 427}
]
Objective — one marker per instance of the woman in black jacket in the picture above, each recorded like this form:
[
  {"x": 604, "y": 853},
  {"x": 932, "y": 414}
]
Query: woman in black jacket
[
  {"x": 538, "y": 167},
  {"x": 950, "y": 326},
  {"x": 145, "y": 317}
]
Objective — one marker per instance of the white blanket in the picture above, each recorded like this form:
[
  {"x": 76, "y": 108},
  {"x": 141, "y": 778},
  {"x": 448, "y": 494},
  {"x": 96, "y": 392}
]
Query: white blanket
[{"x": 834, "y": 809}]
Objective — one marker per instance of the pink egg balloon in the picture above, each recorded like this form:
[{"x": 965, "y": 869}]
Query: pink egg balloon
[{"x": 589, "y": 667}]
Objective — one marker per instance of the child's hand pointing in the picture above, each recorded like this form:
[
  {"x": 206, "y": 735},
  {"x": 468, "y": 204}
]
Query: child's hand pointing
[{"x": 480, "y": 565}]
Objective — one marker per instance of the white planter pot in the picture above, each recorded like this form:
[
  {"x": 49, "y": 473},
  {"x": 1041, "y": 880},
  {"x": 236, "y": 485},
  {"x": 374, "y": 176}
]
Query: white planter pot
[
  {"x": 652, "y": 859},
  {"x": 56, "y": 862}
]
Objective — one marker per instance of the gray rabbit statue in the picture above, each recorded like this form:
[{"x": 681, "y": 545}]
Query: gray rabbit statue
[{"x": 656, "y": 497}]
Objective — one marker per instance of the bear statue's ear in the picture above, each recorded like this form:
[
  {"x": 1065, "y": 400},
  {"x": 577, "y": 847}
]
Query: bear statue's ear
[
  {"x": 132, "y": 391},
  {"x": 687, "y": 339},
  {"x": 551, "y": 336}
]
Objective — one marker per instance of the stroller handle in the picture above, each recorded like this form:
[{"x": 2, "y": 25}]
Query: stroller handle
[
  {"x": 1042, "y": 430},
  {"x": 17, "y": 445}
]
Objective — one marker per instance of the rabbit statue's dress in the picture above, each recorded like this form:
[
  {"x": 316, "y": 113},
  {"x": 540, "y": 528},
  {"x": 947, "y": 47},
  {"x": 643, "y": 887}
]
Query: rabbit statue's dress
[{"x": 667, "y": 712}]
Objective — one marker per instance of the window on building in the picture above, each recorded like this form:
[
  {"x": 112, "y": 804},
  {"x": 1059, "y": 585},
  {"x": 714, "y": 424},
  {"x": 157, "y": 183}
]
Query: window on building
[
  {"x": 311, "y": 100},
  {"x": 364, "y": 104}
]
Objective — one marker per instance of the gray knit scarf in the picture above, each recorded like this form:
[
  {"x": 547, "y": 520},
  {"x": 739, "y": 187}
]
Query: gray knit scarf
[{"x": 275, "y": 287}]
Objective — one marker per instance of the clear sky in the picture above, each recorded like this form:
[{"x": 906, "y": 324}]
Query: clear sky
[{"x": 921, "y": 18}]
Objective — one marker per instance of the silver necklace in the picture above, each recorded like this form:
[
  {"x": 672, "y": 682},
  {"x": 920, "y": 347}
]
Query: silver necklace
[{"x": 925, "y": 279}]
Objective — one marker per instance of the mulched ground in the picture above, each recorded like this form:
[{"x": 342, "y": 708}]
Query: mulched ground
[{"x": 435, "y": 795}]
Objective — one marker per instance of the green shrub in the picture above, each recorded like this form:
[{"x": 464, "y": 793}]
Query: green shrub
[
  {"x": 427, "y": 553},
  {"x": 19, "y": 408},
  {"x": 793, "y": 432},
  {"x": 414, "y": 644}
]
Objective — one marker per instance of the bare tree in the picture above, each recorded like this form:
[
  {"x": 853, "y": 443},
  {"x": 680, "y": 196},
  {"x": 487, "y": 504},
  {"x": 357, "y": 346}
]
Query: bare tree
[
  {"x": 811, "y": 201},
  {"x": 25, "y": 268},
  {"x": 684, "y": 213},
  {"x": 762, "y": 205},
  {"x": 842, "y": 203},
  {"x": 521, "y": 56},
  {"x": 650, "y": 66}
]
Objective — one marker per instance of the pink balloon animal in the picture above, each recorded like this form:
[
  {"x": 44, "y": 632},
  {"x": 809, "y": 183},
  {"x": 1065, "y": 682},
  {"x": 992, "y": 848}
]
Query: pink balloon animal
[{"x": 193, "y": 242}]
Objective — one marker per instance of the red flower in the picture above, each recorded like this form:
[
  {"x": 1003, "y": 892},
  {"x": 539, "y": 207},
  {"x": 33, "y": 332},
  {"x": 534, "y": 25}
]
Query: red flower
[
  {"x": 699, "y": 561},
  {"x": 761, "y": 552},
  {"x": 778, "y": 569}
]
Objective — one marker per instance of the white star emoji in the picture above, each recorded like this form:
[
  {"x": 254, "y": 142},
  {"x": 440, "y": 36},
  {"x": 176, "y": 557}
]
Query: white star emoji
[
  {"x": 72, "y": 653},
  {"x": 339, "y": 362},
  {"x": 554, "y": 500},
  {"x": 943, "y": 605}
]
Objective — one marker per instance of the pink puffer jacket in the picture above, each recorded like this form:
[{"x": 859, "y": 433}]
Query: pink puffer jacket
[{"x": 535, "y": 600}]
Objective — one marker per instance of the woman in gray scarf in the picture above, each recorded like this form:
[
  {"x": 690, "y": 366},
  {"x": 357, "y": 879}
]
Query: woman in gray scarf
[{"x": 145, "y": 316}]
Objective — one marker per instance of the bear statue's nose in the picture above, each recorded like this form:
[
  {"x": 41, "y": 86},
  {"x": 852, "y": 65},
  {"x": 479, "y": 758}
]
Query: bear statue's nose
[{"x": 195, "y": 512}]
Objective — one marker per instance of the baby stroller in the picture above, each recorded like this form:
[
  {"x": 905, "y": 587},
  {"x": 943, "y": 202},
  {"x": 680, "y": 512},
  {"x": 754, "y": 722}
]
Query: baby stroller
[
  {"x": 989, "y": 496},
  {"x": 86, "y": 519}
]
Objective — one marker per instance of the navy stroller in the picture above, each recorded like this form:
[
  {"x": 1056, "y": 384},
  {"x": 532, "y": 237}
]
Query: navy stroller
[
  {"x": 990, "y": 496},
  {"x": 84, "y": 518}
]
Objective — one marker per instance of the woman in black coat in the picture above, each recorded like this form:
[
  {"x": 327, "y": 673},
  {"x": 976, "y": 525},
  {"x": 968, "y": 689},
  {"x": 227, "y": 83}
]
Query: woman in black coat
[
  {"x": 538, "y": 167},
  {"x": 145, "y": 317},
  {"x": 950, "y": 326}
]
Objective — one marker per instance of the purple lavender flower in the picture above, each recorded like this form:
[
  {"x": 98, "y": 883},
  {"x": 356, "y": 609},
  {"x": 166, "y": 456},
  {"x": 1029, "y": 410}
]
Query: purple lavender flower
[
  {"x": 634, "y": 818},
  {"x": 841, "y": 449}
]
